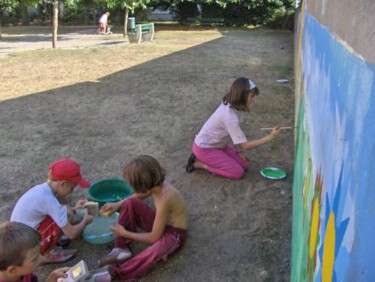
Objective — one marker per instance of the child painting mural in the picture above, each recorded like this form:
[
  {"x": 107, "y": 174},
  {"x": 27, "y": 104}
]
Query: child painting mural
[{"x": 211, "y": 150}]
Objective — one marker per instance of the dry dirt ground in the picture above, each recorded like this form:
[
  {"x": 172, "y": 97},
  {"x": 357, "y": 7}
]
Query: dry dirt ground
[{"x": 104, "y": 106}]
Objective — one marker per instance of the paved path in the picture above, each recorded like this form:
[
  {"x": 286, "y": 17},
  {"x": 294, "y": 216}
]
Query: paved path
[{"x": 12, "y": 41}]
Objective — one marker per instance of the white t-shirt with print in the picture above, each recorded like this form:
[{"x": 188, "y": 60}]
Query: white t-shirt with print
[
  {"x": 224, "y": 122},
  {"x": 36, "y": 204}
]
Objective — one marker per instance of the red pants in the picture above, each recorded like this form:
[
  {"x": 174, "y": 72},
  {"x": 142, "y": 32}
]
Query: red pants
[
  {"x": 50, "y": 232},
  {"x": 136, "y": 213}
]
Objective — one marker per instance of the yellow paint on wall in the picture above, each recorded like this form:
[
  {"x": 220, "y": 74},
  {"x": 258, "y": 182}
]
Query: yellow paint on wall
[
  {"x": 329, "y": 250},
  {"x": 314, "y": 228}
]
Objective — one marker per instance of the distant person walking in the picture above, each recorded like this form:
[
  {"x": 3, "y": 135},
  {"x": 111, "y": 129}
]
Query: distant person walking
[{"x": 103, "y": 22}]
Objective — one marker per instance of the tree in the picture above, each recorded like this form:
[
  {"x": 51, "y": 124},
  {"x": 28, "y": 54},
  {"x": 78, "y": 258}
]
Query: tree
[
  {"x": 234, "y": 12},
  {"x": 24, "y": 14},
  {"x": 55, "y": 22},
  {"x": 88, "y": 7},
  {"x": 55, "y": 15},
  {"x": 7, "y": 6},
  {"x": 128, "y": 5}
]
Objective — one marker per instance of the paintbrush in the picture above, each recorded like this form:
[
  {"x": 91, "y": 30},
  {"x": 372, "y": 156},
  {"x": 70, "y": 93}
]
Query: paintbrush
[{"x": 283, "y": 127}]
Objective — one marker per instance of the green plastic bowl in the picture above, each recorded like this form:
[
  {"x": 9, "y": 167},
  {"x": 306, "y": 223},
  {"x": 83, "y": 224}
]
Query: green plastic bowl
[
  {"x": 109, "y": 190},
  {"x": 98, "y": 231}
]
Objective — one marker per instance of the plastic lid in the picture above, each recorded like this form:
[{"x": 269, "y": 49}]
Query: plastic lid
[{"x": 273, "y": 173}]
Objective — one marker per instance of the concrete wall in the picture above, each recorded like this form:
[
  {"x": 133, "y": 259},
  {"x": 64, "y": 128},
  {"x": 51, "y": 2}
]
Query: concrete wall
[{"x": 334, "y": 190}]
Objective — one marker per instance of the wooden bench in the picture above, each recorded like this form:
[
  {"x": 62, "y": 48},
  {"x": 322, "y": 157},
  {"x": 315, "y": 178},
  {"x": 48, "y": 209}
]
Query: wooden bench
[
  {"x": 146, "y": 29},
  {"x": 206, "y": 21}
]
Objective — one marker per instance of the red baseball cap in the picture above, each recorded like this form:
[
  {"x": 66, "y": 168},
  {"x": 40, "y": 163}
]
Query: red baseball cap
[{"x": 68, "y": 170}]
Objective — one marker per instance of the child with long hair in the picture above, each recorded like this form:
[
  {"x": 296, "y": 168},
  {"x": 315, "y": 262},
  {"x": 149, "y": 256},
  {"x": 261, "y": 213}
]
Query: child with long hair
[
  {"x": 164, "y": 229},
  {"x": 210, "y": 148}
]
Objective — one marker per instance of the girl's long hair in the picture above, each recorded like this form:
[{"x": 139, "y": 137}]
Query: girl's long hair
[{"x": 238, "y": 94}]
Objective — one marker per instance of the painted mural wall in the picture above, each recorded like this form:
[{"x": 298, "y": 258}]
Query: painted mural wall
[{"x": 334, "y": 170}]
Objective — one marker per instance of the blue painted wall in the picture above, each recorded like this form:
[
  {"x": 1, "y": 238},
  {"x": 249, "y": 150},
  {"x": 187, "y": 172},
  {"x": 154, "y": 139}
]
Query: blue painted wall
[{"x": 334, "y": 191}]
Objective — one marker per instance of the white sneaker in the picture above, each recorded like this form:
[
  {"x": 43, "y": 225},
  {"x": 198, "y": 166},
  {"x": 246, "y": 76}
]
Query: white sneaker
[
  {"x": 99, "y": 275},
  {"x": 116, "y": 256}
]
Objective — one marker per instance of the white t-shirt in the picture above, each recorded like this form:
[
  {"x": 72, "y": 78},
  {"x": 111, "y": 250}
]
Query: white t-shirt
[
  {"x": 224, "y": 122},
  {"x": 36, "y": 204},
  {"x": 103, "y": 19}
]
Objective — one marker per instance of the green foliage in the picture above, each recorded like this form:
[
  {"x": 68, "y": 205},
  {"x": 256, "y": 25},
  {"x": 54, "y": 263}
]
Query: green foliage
[
  {"x": 234, "y": 12},
  {"x": 282, "y": 20},
  {"x": 129, "y": 4},
  {"x": 7, "y": 7},
  {"x": 74, "y": 12},
  {"x": 185, "y": 10}
]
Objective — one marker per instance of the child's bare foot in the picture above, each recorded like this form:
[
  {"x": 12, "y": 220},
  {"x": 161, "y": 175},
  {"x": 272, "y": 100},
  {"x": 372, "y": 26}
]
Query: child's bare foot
[{"x": 200, "y": 165}]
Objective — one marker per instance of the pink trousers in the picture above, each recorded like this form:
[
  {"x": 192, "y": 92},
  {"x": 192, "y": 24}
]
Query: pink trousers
[
  {"x": 136, "y": 213},
  {"x": 222, "y": 161}
]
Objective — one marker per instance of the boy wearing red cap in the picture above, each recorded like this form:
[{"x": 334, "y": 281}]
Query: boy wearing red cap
[{"x": 45, "y": 208}]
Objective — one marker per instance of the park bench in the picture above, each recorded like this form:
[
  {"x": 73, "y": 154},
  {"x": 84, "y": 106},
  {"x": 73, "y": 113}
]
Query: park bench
[
  {"x": 144, "y": 31},
  {"x": 205, "y": 21}
]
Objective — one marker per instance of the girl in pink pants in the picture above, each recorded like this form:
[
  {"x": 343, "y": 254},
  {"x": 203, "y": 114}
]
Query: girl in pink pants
[
  {"x": 222, "y": 161},
  {"x": 210, "y": 148}
]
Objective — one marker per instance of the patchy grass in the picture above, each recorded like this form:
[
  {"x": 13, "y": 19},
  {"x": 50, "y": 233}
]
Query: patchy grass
[
  {"x": 104, "y": 106},
  {"x": 34, "y": 71}
]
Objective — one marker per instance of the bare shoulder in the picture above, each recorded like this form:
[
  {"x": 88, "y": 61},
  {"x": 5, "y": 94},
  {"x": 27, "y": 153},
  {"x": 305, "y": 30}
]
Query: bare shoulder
[
  {"x": 172, "y": 198},
  {"x": 171, "y": 192}
]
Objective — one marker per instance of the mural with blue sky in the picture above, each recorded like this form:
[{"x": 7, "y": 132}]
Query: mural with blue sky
[{"x": 333, "y": 209}]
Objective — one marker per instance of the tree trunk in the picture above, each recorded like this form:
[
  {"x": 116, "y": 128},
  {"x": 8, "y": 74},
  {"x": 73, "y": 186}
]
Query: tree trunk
[
  {"x": 55, "y": 22},
  {"x": 25, "y": 20},
  {"x": 1, "y": 23},
  {"x": 94, "y": 17},
  {"x": 126, "y": 23},
  {"x": 86, "y": 13}
]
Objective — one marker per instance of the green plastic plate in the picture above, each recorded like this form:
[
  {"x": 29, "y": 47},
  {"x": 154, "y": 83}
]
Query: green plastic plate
[{"x": 273, "y": 173}]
